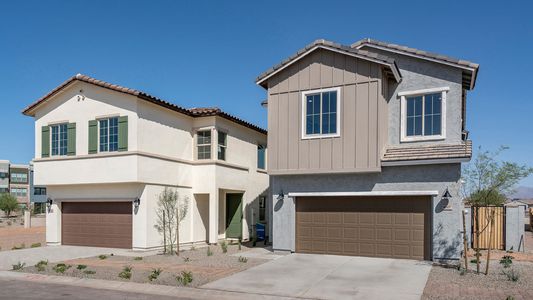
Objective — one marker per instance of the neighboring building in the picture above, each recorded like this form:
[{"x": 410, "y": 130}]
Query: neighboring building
[
  {"x": 4, "y": 176},
  {"x": 102, "y": 149},
  {"x": 365, "y": 150},
  {"x": 19, "y": 184}
]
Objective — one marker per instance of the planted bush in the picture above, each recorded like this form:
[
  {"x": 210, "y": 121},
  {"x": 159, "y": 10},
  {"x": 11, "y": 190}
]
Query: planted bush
[
  {"x": 186, "y": 259},
  {"x": 36, "y": 245},
  {"x": 81, "y": 267},
  {"x": 512, "y": 275},
  {"x": 506, "y": 261},
  {"x": 209, "y": 252},
  {"x": 224, "y": 247},
  {"x": 138, "y": 258},
  {"x": 185, "y": 278},
  {"x": 41, "y": 265},
  {"x": 61, "y": 268},
  {"x": 126, "y": 272},
  {"x": 102, "y": 256},
  {"x": 18, "y": 266},
  {"x": 154, "y": 274},
  {"x": 243, "y": 259},
  {"x": 89, "y": 272}
]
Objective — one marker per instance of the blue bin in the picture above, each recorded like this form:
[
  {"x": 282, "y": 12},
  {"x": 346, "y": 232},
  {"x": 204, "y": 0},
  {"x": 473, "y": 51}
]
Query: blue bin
[{"x": 260, "y": 231}]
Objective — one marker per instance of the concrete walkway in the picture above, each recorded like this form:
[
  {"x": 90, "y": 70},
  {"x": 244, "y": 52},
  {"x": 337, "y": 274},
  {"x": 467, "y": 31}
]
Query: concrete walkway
[
  {"x": 84, "y": 288},
  {"x": 331, "y": 277},
  {"x": 31, "y": 256}
]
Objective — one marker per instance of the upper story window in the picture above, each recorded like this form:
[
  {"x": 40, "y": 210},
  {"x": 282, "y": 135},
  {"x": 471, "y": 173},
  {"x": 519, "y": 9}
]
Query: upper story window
[
  {"x": 222, "y": 145},
  {"x": 423, "y": 115},
  {"x": 19, "y": 192},
  {"x": 3, "y": 175},
  {"x": 59, "y": 139},
  {"x": 19, "y": 177},
  {"x": 321, "y": 115},
  {"x": 203, "y": 144},
  {"x": 39, "y": 191},
  {"x": 261, "y": 157},
  {"x": 108, "y": 132}
]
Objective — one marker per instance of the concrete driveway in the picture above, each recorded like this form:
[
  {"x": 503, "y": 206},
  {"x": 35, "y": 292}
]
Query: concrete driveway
[
  {"x": 331, "y": 277},
  {"x": 31, "y": 256}
]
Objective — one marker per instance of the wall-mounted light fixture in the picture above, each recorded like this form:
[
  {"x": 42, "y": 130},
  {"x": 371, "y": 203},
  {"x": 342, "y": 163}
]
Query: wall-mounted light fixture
[
  {"x": 137, "y": 202},
  {"x": 49, "y": 202},
  {"x": 446, "y": 195},
  {"x": 280, "y": 195}
]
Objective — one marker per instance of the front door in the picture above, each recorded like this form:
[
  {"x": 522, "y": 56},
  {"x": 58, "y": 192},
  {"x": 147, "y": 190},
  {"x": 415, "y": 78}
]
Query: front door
[{"x": 234, "y": 216}]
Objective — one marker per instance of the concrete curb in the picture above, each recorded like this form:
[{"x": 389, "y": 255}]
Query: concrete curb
[{"x": 133, "y": 287}]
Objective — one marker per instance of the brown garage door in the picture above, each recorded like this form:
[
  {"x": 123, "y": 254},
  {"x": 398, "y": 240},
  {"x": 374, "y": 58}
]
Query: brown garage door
[
  {"x": 98, "y": 224},
  {"x": 395, "y": 227}
]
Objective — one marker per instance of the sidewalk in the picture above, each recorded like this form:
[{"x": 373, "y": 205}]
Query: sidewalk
[{"x": 132, "y": 287}]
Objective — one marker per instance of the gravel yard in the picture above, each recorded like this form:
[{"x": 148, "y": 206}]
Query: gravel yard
[
  {"x": 204, "y": 268},
  {"x": 448, "y": 283}
]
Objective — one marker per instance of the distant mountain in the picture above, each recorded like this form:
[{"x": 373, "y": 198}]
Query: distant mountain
[{"x": 522, "y": 192}]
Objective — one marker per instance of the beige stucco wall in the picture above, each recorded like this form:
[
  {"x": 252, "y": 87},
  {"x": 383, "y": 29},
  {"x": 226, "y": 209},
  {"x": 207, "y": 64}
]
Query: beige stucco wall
[{"x": 161, "y": 153}]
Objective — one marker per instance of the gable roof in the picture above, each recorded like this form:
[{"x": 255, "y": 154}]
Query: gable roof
[
  {"x": 470, "y": 69},
  {"x": 331, "y": 46},
  {"x": 194, "y": 112}
]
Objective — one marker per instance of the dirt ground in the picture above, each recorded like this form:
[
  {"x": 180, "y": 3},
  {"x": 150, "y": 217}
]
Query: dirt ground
[
  {"x": 204, "y": 268},
  {"x": 16, "y": 236}
]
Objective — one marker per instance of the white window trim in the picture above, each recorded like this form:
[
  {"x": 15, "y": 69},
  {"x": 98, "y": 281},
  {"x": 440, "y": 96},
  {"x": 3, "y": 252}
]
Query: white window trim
[
  {"x": 98, "y": 119},
  {"x": 196, "y": 145},
  {"x": 59, "y": 139},
  {"x": 403, "y": 115},
  {"x": 304, "y": 113},
  {"x": 224, "y": 146}
]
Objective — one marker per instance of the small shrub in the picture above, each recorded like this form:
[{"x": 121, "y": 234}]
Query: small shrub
[
  {"x": 18, "y": 266},
  {"x": 155, "y": 273},
  {"x": 243, "y": 259},
  {"x": 512, "y": 275},
  {"x": 509, "y": 298},
  {"x": 102, "y": 256},
  {"x": 462, "y": 271},
  {"x": 474, "y": 261},
  {"x": 81, "y": 267},
  {"x": 35, "y": 245},
  {"x": 224, "y": 247},
  {"x": 41, "y": 265},
  {"x": 22, "y": 246},
  {"x": 209, "y": 252},
  {"x": 185, "y": 278},
  {"x": 186, "y": 259},
  {"x": 89, "y": 272},
  {"x": 126, "y": 272},
  {"x": 193, "y": 248},
  {"x": 138, "y": 258},
  {"x": 61, "y": 268},
  {"x": 506, "y": 261}
]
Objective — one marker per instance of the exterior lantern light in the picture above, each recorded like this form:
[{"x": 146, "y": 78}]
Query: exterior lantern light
[
  {"x": 280, "y": 195},
  {"x": 136, "y": 202},
  {"x": 446, "y": 195},
  {"x": 49, "y": 202}
]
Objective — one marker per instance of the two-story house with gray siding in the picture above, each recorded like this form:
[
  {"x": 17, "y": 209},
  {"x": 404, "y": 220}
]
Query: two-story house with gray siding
[{"x": 365, "y": 150}]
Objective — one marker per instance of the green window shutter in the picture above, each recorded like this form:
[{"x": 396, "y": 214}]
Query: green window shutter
[
  {"x": 93, "y": 136},
  {"x": 45, "y": 141},
  {"x": 123, "y": 133},
  {"x": 71, "y": 139}
]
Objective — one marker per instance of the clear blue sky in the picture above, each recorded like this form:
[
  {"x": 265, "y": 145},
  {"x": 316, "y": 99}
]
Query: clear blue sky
[{"x": 208, "y": 53}]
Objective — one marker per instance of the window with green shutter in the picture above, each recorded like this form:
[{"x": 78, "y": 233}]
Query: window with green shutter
[
  {"x": 71, "y": 139},
  {"x": 93, "y": 136},
  {"x": 123, "y": 133}
]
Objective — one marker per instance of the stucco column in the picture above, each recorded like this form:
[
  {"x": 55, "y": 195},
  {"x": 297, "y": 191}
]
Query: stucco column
[
  {"x": 53, "y": 224},
  {"x": 213, "y": 217}
]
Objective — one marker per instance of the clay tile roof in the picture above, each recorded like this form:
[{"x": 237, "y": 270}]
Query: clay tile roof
[
  {"x": 321, "y": 43},
  {"x": 434, "y": 151},
  {"x": 193, "y": 112},
  {"x": 473, "y": 67}
]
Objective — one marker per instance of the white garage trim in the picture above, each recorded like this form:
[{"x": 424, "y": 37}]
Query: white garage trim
[{"x": 371, "y": 193}]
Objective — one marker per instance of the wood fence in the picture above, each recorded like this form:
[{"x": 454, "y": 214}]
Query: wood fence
[{"x": 481, "y": 221}]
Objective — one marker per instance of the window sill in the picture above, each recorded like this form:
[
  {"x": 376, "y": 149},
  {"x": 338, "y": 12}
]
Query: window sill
[
  {"x": 422, "y": 138},
  {"x": 322, "y": 136},
  {"x": 262, "y": 171}
]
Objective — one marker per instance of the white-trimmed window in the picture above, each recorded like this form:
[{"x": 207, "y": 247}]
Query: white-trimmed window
[
  {"x": 222, "y": 145},
  {"x": 321, "y": 113},
  {"x": 59, "y": 139},
  {"x": 108, "y": 134},
  {"x": 423, "y": 114},
  {"x": 203, "y": 144}
]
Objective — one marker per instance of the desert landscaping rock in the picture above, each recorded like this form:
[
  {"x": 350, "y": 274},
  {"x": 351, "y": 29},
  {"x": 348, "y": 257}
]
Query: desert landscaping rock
[
  {"x": 204, "y": 268},
  {"x": 448, "y": 283}
]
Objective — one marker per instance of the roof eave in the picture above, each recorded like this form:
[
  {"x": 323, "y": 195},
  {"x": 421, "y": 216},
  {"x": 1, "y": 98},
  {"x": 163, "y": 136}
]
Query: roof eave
[{"x": 392, "y": 65}]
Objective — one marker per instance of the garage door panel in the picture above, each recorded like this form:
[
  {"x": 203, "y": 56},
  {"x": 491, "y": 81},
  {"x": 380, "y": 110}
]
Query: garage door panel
[
  {"x": 98, "y": 224},
  {"x": 366, "y": 226}
]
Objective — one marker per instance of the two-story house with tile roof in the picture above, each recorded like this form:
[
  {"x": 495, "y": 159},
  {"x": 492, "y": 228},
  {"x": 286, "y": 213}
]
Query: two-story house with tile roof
[
  {"x": 105, "y": 153},
  {"x": 365, "y": 150}
]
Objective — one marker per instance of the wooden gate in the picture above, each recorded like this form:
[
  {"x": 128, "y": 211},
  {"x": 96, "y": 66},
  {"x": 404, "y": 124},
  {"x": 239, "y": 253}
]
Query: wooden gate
[{"x": 481, "y": 219}]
